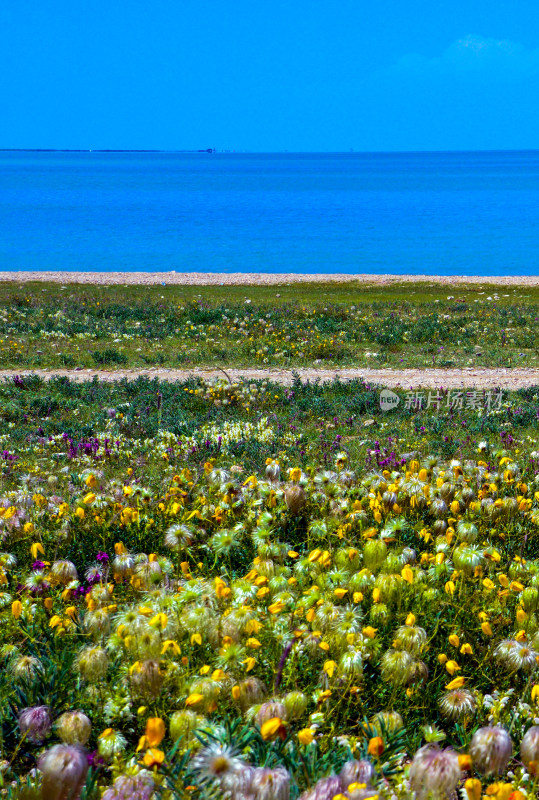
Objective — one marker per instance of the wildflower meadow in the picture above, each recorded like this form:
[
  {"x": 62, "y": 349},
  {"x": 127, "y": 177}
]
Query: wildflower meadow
[
  {"x": 245, "y": 591},
  {"x": 408, "y": 325}
]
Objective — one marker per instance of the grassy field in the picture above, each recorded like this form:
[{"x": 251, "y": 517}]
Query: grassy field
[
  {"x": 267, "y": 592},
  {"x": 408, "y": 325}
]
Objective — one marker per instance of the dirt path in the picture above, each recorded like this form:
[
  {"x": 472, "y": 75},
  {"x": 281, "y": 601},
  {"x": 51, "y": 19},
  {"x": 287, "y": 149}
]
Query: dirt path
[
  {"x": 256, "y": 278},
  {"x": 404, "y": 378}
]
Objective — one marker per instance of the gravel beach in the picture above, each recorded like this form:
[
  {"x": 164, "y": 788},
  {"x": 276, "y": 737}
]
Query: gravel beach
[{"x": 256, "y": 278}]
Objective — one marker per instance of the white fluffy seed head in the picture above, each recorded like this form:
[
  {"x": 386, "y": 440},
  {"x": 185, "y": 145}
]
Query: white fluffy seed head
[
  {"x": 529, "y": 747},
  {"x": 434, "y": 772},
  {"x": 491, "y": 749}
]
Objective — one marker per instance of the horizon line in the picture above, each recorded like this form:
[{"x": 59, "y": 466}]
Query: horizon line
[{"x": 216, "y": 151}]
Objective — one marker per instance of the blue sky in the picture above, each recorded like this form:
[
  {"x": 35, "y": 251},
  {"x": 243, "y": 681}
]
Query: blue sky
[{"x": 260, "y": 76}]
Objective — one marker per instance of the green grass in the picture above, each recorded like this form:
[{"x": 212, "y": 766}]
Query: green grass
[{"x": 331, "y": 325}]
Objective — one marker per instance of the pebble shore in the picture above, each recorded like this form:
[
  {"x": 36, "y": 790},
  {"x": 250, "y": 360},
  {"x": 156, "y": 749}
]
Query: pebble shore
[{"x": 256, "y": 278}]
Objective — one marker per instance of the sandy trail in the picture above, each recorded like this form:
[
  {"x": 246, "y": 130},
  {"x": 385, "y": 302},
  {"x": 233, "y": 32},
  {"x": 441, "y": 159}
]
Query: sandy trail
[
  {"x": 256, "y": 278},
  {"x": 518, "y": 378}
]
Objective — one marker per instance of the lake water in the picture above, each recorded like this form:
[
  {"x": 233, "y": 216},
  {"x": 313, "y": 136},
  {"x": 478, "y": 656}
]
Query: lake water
[{"x": 435, "y": 213}]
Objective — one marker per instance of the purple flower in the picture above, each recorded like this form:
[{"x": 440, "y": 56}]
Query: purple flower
[{"x": 102, "y": 557}]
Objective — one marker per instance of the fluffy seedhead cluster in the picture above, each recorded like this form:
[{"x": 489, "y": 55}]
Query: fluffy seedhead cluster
[{"x": 295, "y": 629}]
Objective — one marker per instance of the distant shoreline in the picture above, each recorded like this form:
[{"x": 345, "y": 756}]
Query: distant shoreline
[
  {"x": 96, "y": 150},
  {"x": 256, "y": 279},
  {"x": 228, "y": 152}
]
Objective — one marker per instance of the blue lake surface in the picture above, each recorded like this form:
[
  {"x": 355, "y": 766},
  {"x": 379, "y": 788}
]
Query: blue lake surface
[{"x": 434, "y": 213}]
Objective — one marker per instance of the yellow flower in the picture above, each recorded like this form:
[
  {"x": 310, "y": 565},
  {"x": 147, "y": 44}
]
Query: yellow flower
[
  {"x": 454, "y": 640},
  {"x": 369, "y": 632},
  {"x": 253, "y": 643},
  {"x": 449, "y": 588},
  {"x": 306, "y": 736},
  {"x": 159, "y": 621},
  {"x": 410, "y": 619},
  {"x": 465, "y": 762},
  {"x": 325, "y": 559},
  {"x": 340, "y": 593},
  {"x": 294, "y": 474},
  {"x": 253, "y": 626},
  {"x": 473, "y": 788},
  {"x": 500, "y": 791},
  {"x": 407, "y": 574},
  {"x": 376, "y": 746},
  {"x": 442, "y": 658},
  {"x": 452, "y": 667},
  {"x": 487, "y": 630},
  {"x": 521, "y": 616},
  {"x": 330, "y": 667},
  {"x": 16, "y": 609},
  {"x": 276, "y": 608},
  {"x": 196, "y": 638},
  {"x": 36, "y": 548},
  {"x": 456, "y": 683},
  {"x": 155, "y": 731},
  {"x": 153, "y": 757},
  {"x": 172, "y": 645},
  {"x": 89, "y": 498},
  {"x": 535, "y": 692},
  {"x": 194, "y": 699},
  {"x": 466, "y": 650},
  {"x": 271, "y": 728},
  {"x": 249, "y": 663},
  {"x": 221, "y": 589}
]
